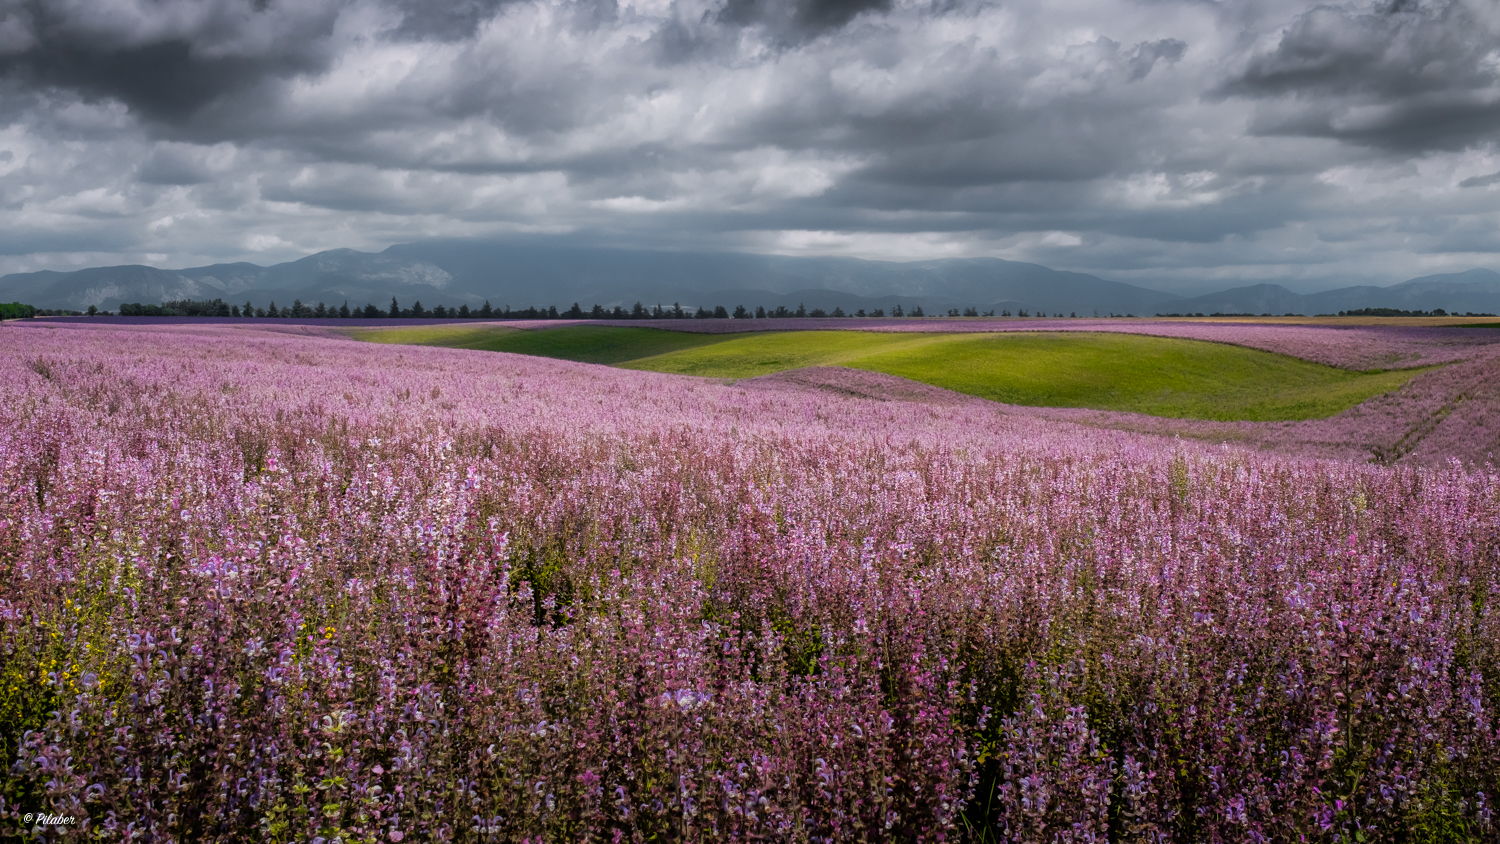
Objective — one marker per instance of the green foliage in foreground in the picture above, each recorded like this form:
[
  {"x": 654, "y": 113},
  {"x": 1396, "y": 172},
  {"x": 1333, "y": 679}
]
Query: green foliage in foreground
[{"x": 1103, "y": 371}]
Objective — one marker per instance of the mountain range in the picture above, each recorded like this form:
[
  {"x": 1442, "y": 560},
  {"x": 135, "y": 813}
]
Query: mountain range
[
  {"x": 522, "y": 274},
  {"x": 1475, "y": 290}
]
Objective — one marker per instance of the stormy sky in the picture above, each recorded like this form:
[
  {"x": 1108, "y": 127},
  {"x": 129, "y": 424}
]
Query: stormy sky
[{"x": 1184, "y": 145}]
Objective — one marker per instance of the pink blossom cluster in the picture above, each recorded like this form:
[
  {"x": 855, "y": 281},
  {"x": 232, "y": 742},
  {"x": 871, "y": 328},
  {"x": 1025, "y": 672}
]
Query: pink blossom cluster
[{"x": 272, "y": 587}]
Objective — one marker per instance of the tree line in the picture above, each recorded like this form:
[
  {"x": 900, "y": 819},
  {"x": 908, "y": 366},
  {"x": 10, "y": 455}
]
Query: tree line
[
  {"x": 18, "y": 310},
  {"x": 298, "y": 310},
  {"x": 1388, "y": 312}
]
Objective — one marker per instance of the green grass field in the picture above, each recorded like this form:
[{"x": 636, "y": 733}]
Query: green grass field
[{"x": 1156, "y": 375}]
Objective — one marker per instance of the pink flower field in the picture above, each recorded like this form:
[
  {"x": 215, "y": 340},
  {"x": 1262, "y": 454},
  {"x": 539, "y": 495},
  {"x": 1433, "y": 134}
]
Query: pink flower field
[{"x": 276, "y": 586}]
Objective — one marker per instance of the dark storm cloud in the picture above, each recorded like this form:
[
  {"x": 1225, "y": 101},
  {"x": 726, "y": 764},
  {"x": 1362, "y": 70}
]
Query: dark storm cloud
[
  {"x": 1081, "y": 132},
  {"x": 800, "y": 17},
  {"x": 164, "y": 60},
  {"x": 1407, "y": 76}
]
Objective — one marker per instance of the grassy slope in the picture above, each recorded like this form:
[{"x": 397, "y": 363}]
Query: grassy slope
[{"x": 1155, "y": 375}]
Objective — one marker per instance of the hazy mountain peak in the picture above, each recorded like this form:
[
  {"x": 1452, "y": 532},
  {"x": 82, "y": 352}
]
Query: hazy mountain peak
[{"x": 549, "y": 272}]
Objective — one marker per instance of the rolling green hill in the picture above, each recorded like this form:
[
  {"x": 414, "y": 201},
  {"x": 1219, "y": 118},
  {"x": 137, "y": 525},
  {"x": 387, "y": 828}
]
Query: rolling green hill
[{"x": 1154, "y": 375}]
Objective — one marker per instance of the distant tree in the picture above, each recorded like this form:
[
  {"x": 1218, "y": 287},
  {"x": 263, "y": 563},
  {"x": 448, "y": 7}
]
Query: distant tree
[
  {"x": 299, "y": 310},
  {"x": 234, "y": 310},
  {"x": 485, "y": 311},
  {"x": 990, "y": 312},
  {"x": 463, "y": 312},
  {"x": 817, "y": 313},
  {"x": 1073, "y": 315},
  {"x": 720, "y": 312},
  {"x": 760, "y": 312},
  {"x": 677, "y": 311},
  {"x": 574, "y": 312},
  {"x": 370, "y": 311},
  {"x": 344, "y": 310},
  {"x": 970, "y": 311},
  {"x": 860, "y": 312},
  {"x": 638, "y": 311},
  {"x": 260, "y": 313},
  {"x": 838, "y": 312},
  {"x": 321, "y": 311},
  {"x": 440, "y": 312},
  {"x": 395, "y": 309},
  {"x": 740, "y": 312},
  {"x": 619, "y": 313},
  {"x": 917, "y": 311},
  {"x": 801, "y": 311},
  {"x": 93, "y": 310},
  {"x": 551, "y": 312},
  {"x": 878, "y": 312},
  {"x": 272, "y": 311},
  {"x": 1385, "y": 312},
  {"x": 598, "y": 312},
  {"x": 896, "y": 311},
  {"x": 249, "y": 309},
  {"x": 176, "y": 307},
  {"x": 953, "y": 312},
  {"x": 657, "y": 312},
  {"x": 417, "y": 311}
]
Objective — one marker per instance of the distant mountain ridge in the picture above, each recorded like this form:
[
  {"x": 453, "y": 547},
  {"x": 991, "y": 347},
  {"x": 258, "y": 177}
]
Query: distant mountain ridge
[
  {"x": 1474, "y": 290},
  {"x": 521, "y": 274}
]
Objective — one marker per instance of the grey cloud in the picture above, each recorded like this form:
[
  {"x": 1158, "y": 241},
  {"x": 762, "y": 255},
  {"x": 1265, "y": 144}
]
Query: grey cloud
[
  {"x": 1408, "y": 76},
  {"x": 176, "y": 164},
  {"x": 1147, "y": 53},
  {"x": 798, "y": 17},
  {"x": 453, "y": 20},
  {"x": 1480, "y": 181}
]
